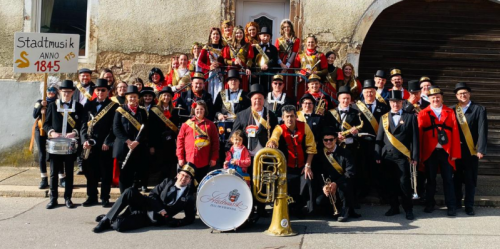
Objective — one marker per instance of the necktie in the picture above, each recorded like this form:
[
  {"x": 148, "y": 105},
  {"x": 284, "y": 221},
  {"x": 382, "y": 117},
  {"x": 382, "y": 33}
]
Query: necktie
[
  {"x": 65, "y": 103},
  {"x": 369, "y": 107}
]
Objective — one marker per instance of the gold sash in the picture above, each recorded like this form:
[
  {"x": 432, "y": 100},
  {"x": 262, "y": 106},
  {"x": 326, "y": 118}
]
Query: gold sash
[
  {"x": 308, "y": 61},
  {"x": 333, "y": 162},
  {"x": 102, "y": 113},
  {"x": 165, "y": 120},
  {"x": 368, "y": 114},
  {"x": 129, "y": 117},
  {"x": 465, "y": 130},
  {"x": 261, "y": 120},
  {"x": 379, "y": 98},
  {"x": 393, "y": 140},
  {"x": 336, "y": 115},
  {"x": 226, "y": 103},
  {"x": 213, "y": 50},
  {"x": 71, "y": 121},
  {"x": 82, "y": 90},
  {"x": 114, "y": 99},
  {"x": 199, "y": 142}
]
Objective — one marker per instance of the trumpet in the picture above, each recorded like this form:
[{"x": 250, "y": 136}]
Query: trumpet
[
  {"x": 332, "y": 197},
  {"x": 320, "y": 108},
  {"x": 348, "y": 132},
  {"x": 88, "y": 137},
  {"x": 270, "y": 185},
  {"x": 413, "y": 178}
]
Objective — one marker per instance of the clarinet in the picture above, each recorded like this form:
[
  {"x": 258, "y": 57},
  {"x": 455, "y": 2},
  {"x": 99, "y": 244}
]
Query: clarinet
[{"x": 130, "y": 151}]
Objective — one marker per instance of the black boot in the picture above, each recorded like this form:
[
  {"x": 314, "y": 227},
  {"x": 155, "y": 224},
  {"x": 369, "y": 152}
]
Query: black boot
[
  {"x": 103, "y": 225},
  {"x": 90, "y": 202},
  {"x": 44, "y": 183},
  {"x": 52, "y": 203}
]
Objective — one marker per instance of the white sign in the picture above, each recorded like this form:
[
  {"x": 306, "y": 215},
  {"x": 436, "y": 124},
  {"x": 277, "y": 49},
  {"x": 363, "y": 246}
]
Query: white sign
[{"x": 46, "y": 53}]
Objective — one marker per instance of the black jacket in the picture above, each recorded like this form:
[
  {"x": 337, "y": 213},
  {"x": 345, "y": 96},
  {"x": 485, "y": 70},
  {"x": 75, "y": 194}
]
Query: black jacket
[
  {"x": 162, "y": 196},
  {"x": 408, "y": 107},
  {"x": 187, "y": 98},
  {"x": 54, "y": 120},
  {"x": 37, "y": 111},
  {"x": 270, "y": 102},
  {"x": 478, "y": 126},
  {"x": 380, "y": 110},
  {"x": 271, "y": 52},
  {"x": 242, "y": 104},
  {"x": 159, "y": 134},
  {"x": 406, "y": 132},
  {"x": 104, "y": 127},
  {"x": 245, "y": 118},
  {"x": 76, "y": 95},
  {"x": 352, "y": 119},
  {"x": 124, "y": 130},
  {"x": 323, "y": 166}
]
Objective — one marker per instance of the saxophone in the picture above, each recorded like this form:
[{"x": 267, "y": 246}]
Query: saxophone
[
  {"x": 348, "y": 132},
  {"x": 88, "y": 137}
]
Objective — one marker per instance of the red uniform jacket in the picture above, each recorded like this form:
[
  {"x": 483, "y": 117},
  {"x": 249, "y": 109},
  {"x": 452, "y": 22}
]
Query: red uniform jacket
[
  {"x": 204, "y": 59},
  {"x": 281, "y": 52},
  {"x": 187, "y": 151},
  {"x": 244, "y": 161},
  {"x": 429, "y": 137}
]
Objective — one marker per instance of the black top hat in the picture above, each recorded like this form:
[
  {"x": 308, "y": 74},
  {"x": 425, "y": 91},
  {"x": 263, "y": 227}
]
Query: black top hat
[
  {"x": 380, "y": 74},
  {"x": 132, "y": 89},
  {"x": 308, "y": 96},
  {"x": 396, "y": 95},
  {"x": 413, "y": 86},
  {"x": 256, "y": 88},
  {"x": 102, "y": 83},
  {"x": 67, "y": 84},
  {"x": 147, "y": 90},
  {"x": 189, "y": 168},
  {"x": 166, "y": 89},
  {"x": 198, "y": 75},
  {"x": 369, "y": 84},
  {"x": 84, "y": 70},
  {"x": 426, "y": 79},
  {"x": 344, "y": 89},
  {"x": 461, "y": 85},
  {"x": 233, "y": 74},
  {"x": 434, "y": 90},
  {"x": 395, "y": 72},
  {"x": 266, "y": 30}
]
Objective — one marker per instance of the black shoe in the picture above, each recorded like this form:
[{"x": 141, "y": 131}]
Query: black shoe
[
  {"x": 392, "y": 212},
  {"x": 44, "y": 183},
  {"x": 80, "y": 172},
  {"x": 429, "y": 209},
  {"x": 52, "y": 204},
  {"x": 90, "y": 202},
  {"x": 99, "y": 218},
  {"x": 452, "y": 211},
  {"x": 469, "y": 211},
  {"x": 343, "y": 217},
  {"x": 105, "y": 203},
  {"x": 62, "y": 182},
  {"x": 103, "y": 225},
  {"x": 409, "y": 215},
  {"x": 69, "y": 204}
]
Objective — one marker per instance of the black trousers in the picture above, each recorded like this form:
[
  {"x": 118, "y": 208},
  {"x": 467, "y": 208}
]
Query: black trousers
[
  {"x": 466, "y": 173},
  {"x": 300, "y": 189},
  {"x": 165, "y": 160},
  {"x": 397, "y": 181},
  {"x": 60, "y": 163},
  {"x": 367, "y": 173},
  {"x": 346, "y": 194},
  {"x": 439, "y": 159},
  {"x": 99, "y": 165},
  {"x": 136, "y": 215},
  {"x": 202, "y": 172}
]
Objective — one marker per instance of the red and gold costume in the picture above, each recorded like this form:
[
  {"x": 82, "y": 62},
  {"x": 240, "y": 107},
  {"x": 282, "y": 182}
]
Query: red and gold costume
[
  {"x": 308, "y": 59},
  {"x": 298, "y": 145},
  {"x": 244, "y": 53},
  {"x": 287, "y": 51}
]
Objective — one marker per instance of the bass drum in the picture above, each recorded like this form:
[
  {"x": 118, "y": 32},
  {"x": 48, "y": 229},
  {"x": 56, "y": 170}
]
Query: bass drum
[{"x": 224, "y": 200}]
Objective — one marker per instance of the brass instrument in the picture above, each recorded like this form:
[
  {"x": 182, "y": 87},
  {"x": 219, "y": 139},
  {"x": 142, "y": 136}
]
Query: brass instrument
[
  {"x": 348, "y": 132},
  {"x": 332, "y": 197},
  {"x": 261, "y": 58},
  {"x": 88, "y": 136},
  {"x": 270, "y": 185},
  {"x": 413, "y": 178},
  {"x": 320, "y": 108}
]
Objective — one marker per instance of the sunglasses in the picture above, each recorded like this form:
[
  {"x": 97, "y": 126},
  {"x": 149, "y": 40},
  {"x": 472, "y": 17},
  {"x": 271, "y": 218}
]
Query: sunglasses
[
  {"x": 101, "y": 90},
  {"x": 328, "y": 139}
]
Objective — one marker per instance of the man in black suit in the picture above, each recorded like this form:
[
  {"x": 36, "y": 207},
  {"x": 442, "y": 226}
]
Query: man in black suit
[
  {"x": 397, "y": 146},
  {"x": 261, "y": 65},
  {"x": 415, "y": 103},
  {"x": 196, "y": 93},
  {"x": 371, "y": 110},
  {"x": 54, "y": 127},
  {"x": 165, "y": 201},
  {"x": 335, "y": 163},
  {"x": 473, "y": 126},
  {"x": 83, "y": 93},
  {"x": 277, "y": 98},
  {"x": 99, "y": 163},
  {"x": 315, "y": 121}
]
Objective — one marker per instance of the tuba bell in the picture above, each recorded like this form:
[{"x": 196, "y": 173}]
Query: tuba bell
[{"x": 270, "y": 185}]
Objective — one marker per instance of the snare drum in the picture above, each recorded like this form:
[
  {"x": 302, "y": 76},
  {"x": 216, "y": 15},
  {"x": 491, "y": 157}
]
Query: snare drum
[
  {"x": 224, "y": 128},
  {"x": 62, "y": 146},
  {"x": 224, "y": 200}
]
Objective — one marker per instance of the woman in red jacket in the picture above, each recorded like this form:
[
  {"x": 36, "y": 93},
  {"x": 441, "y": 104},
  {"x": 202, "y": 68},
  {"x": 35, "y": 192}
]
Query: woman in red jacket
[
  {"x": 310, "y": 61},
  {"x": 198, "y": 141},
  {"x": 212, "y": 61},
  {"x": 237, "y": 54},
  {"x": 288, "y": 46}
]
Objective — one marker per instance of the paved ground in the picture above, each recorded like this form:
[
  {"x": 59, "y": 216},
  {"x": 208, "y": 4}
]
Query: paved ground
[{"x": 25, "y": 223}]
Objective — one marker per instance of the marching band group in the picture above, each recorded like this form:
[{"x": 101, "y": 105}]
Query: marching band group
[{"x": 239, "y": 94}]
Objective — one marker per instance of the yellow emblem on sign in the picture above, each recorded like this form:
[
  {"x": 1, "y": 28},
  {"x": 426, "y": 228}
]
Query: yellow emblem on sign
[{"x": 23, "y": 63}]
